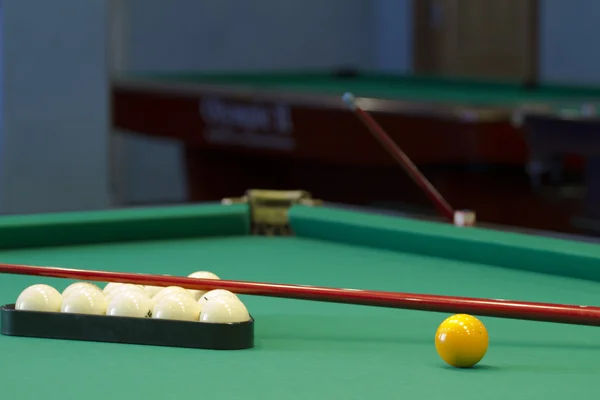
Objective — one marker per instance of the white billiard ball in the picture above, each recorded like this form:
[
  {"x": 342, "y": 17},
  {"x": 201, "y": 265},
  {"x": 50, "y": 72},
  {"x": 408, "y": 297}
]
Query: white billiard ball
[
  {"x": 114, "y": 285},
  {"x": 176, "y": 306},
  {"x": 39, "y": 297},
  {"x": 224, "y": 310},
  {"x": 130, "y": 304},
  {"x": 77, "y": 285},
  {"x": 212, "y": 294},
  {"x": 110, "y": 286},
  {"x": 151, "y": 291},
  {"x": 201, "y": 275},
  {"x": 170, "y": 290},
  {"x": 84, "y": 301},
  {"x": 126, "y": 287}
]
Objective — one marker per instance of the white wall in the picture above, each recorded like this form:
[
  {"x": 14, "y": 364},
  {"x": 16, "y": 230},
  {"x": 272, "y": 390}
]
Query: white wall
[{"x": 55, "y": 104}]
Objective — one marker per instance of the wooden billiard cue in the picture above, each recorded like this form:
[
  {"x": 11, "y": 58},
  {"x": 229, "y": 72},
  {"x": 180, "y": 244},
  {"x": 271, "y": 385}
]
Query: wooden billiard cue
[
  {"x": 386, "y": 141},
  {"x": 547, "y": 312}
]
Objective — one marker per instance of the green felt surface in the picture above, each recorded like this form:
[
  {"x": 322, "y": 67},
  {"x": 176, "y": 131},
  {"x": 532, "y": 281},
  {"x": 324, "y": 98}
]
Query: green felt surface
[
  {"x": 311, "y": 349},
  {"x": 406, "y": 87}
]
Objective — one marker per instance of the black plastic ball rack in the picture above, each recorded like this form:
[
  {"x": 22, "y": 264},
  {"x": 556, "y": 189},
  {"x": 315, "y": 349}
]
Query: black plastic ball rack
[{"x": 129, "y": 330}]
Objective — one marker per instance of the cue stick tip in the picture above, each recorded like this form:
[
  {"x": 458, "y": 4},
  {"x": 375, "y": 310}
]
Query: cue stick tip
[{"x": 349, "y": 99}]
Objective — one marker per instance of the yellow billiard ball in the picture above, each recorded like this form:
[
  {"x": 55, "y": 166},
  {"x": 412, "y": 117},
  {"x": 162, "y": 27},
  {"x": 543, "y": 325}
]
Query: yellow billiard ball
[{"x": 461, "y": 340}]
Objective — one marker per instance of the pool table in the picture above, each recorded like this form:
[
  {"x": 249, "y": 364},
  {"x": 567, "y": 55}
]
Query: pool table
[
  {"x": 305, "y": 349},
  {"x": 290, "y": 129}
]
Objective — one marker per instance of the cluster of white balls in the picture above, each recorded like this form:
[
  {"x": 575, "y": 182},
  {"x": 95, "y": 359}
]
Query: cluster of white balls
[{"x": 129, "y": 300}]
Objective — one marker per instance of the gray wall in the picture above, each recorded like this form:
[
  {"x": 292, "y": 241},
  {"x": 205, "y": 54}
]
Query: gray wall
[
  {"x": 55, "y": 106},
  {"x": 232, "y": 34},
  {"x": 569, "y": 41},
  {"x": 393, "y": 35},
  {"x": 240, "y": 35},
  {"x": 54, "y": 138}
]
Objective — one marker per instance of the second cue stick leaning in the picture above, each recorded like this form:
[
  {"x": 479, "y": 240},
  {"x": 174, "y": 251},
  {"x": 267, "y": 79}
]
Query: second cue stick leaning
[
  {"x": 395, "y": 151},
  {"x": 558, "y": 313}
]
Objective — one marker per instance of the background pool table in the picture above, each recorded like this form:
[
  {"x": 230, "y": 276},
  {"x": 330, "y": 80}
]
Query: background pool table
[
  {"x": 310, "y": 349},
  {"x": 286, "y": 130}
]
